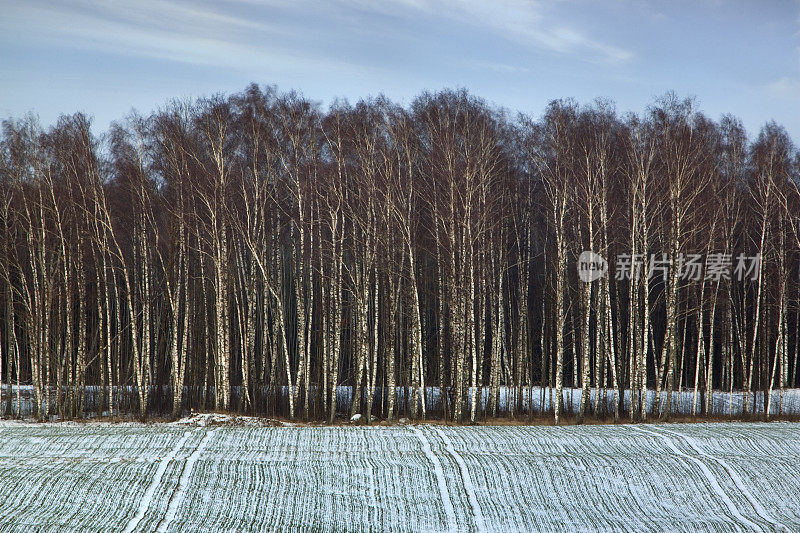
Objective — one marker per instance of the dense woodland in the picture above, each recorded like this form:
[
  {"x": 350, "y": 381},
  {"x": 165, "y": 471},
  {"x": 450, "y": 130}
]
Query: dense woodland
[{"x": 257, "y": 253}]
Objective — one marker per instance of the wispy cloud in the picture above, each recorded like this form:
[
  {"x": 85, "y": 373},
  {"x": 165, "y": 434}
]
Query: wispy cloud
[
  {"x": 785, "y": 87},
  {"x": 527, "y": 22},
  {"x": 187, "y": 33},
  {"x": 502, "y": 68},
  {"x": 226, "y": 34}
]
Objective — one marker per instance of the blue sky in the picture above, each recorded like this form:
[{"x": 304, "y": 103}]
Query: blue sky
[{"x": 105, "y": 58}]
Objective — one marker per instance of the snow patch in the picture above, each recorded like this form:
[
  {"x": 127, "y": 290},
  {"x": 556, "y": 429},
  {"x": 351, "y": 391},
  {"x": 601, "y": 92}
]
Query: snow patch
[{"x": 222, "y": 419}]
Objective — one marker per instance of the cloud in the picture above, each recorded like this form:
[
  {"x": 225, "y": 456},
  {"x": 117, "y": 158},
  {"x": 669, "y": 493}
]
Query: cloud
[
  {"x": 145, "y": 15},
  {"x": 528, "y": 22},
  {"x": 194, "y": 34},
  {"x": 269, "y": 33},
  {"x": 501, "y": 68},
  {"x": 786, "y": 87}
]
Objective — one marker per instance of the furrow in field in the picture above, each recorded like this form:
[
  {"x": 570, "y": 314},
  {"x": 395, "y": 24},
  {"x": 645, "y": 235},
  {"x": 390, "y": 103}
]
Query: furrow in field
[
  {"x": 734, "y": 476},
  {"x": 469, "y": 488},
  {"x": 147, "y": 499},
  {"x": 700, "y": 477},
  {"x": 183, "y": 484},
  {"x": 710, "y": 477},
  {"x": 447, "y": 504}
]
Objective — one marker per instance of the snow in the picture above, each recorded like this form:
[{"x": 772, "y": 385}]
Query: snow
[
  {"x": 740, "y": 484},
  {"x": 723, "y": 403},
  {"x": 203, "y": 474},
  {"x": 183, "y": 484},
  {"x": 147, "y": 499},
  {"x": 466, "y": 479},
  {"x": 712, "y": 480},
  {"x": 225, "y": 419},
  {"x": 441, "y": 481}
]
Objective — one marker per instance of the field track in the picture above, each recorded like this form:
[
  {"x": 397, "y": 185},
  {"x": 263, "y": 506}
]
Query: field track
[{"x": 173, "y": 477}]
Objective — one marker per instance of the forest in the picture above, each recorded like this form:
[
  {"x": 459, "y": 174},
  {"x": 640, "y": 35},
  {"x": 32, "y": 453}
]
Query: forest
[{"x": 261, "y": 254}]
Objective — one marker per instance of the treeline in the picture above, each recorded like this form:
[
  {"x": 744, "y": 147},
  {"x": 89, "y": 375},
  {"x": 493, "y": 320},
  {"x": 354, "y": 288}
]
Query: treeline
[{"x": 257, "y": 253}]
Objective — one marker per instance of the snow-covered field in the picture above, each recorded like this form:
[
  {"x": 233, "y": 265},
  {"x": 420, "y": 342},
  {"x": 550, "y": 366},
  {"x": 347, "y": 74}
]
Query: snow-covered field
[{"x": 208, "y": 477}]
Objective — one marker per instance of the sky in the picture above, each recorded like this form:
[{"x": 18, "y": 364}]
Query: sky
[{"x": 106, "y": 58}]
